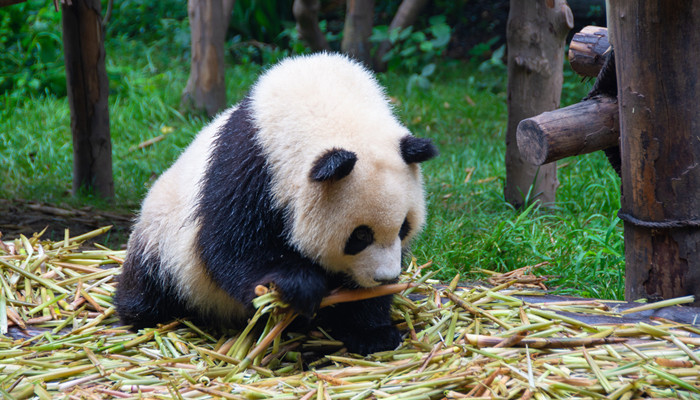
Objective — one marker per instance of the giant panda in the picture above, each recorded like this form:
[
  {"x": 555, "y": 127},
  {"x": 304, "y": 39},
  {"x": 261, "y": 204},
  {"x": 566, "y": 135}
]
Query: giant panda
[{"x": 309, "y": 183}]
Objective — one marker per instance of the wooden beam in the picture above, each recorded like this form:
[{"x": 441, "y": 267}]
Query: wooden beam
[
  {"x": 580, "y": 128},
  {"x": 587, "y": 50},
  {"x": 657, "y": 60}
]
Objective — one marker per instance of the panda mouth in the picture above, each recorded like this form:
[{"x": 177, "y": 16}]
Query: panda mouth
[{"x": 349, "y": 282}]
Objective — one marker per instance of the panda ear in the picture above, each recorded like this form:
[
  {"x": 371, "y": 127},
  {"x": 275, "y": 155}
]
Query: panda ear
[
  {"x": 335, "y": 164},
  {"x": 417, "y": 150}
]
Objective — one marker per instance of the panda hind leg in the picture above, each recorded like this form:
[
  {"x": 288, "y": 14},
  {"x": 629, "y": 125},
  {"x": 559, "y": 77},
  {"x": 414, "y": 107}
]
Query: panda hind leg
[{"x": 142, "y": 298}]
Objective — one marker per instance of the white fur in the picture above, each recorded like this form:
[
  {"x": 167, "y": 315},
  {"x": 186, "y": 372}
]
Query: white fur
[
  {"x": 305, "y": 106},
  {"x": 167, "y": 226}
]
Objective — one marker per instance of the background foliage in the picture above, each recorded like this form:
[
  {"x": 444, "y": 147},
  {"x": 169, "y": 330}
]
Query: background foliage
[
  {"x": 31, "y": 60},
  {"x": 469, "y": 227}
]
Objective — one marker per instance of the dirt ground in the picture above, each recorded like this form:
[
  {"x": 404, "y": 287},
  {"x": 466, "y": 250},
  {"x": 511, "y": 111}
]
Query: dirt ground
[{"x": 26, "y": 217}]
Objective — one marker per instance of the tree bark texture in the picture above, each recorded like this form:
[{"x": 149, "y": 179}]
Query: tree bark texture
[
  {"x": 536, "y": 35},
  {"x": 657, "y": 58},
  {"x": 306, "y": 14},
  {"x": 580, "y": 128},
  {"x": 358, "y": 28},
  {"x": 587, "y": 50},
  {"x": 88, "y": 90},
  {"x": 206, "y": 86},
  {"x": 405, "y": 16}
]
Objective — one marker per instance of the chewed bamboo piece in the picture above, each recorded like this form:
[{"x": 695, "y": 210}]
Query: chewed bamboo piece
[
  {"x": 347, "y": 295},
  {"x": 459, "y": 342}
]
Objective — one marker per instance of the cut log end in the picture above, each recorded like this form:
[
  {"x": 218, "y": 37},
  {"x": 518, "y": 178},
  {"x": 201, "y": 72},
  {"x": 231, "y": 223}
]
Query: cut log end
[
  {"x": 587, "y": 50},
  {"x": 532, "y": 142}
]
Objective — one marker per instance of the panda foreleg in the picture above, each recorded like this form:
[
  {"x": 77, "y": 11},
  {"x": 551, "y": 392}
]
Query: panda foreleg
[
  {"x": 363, "y": 326},
  {"x": 301, "y": 286},
  {"x": 301, "y": 283}
]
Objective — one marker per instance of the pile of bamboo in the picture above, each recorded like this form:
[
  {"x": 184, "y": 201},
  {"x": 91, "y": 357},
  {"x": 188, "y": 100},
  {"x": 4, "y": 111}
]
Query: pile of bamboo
[{"x": 61, "y": 338}]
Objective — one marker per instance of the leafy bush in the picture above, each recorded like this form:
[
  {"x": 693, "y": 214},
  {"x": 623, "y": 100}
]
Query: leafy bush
[
  {"x": 263, "y": 21},
  {"x": 31, "y": 60},
  {"x": 287, "y": 43},
  {"x": 159, "y": 24},
  {"x": 415, "y": 51},
  {"x": 144, "y": 19}
]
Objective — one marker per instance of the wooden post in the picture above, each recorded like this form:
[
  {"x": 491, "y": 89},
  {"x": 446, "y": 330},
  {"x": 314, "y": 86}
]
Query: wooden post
[
  {"x": 536, "y": 35},
  {"x": 657, "y": 57},
  {"x": 88, "y": 89}
]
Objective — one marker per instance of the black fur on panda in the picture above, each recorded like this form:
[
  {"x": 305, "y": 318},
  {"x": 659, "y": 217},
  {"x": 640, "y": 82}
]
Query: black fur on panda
[{"x": 310, "y": 183}]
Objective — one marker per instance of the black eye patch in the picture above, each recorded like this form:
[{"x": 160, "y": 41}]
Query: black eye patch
[
  {"x": 405, "y": 229},
  {"x": 359, "y": 239}
]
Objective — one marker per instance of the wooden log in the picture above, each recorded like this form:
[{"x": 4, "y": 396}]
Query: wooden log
[
  {"x": 657, "y": 55},
  {"x": 580, "y": 128},
  {"x": 587, "y": 50}
]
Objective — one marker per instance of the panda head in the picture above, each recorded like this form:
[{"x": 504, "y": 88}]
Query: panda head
[
  {"x": 343, "y": 168},
  {"x": 367, "y": 212}
]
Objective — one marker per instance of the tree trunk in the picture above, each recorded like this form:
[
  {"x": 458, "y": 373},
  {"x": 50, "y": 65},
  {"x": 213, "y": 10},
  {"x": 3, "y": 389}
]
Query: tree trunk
[
  {"x": 358, "y": 28},
  {"x": 405, "y": 16},
  {"x": 88, "y": 90},
  {"x": 657, "y": 60},
  {"x": 206, "y": 87},
  {"x": 535, "y": 34},
  {"x": 306, "y": 14}
]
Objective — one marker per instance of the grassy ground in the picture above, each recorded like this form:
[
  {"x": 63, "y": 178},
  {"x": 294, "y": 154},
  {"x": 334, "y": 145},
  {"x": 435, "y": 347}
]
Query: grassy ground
[{"x": 470, "y": 227}]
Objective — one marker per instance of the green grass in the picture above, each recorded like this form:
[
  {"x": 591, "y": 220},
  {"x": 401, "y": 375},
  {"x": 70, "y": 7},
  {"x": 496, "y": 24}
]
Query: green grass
[{"x": 469, "y": 225}]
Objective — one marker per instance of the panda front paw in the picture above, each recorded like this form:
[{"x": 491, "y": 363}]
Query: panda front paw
[
  {"x": 304, "y": 297},
  {"x": 372, "y": 340}
]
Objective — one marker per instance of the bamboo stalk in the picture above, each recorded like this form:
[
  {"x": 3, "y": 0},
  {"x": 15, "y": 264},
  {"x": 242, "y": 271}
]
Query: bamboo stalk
[
  {"x": 542, "y": 343},
  {"x": 659, "y": 304},
  {"x": 348, "y": 295}
]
